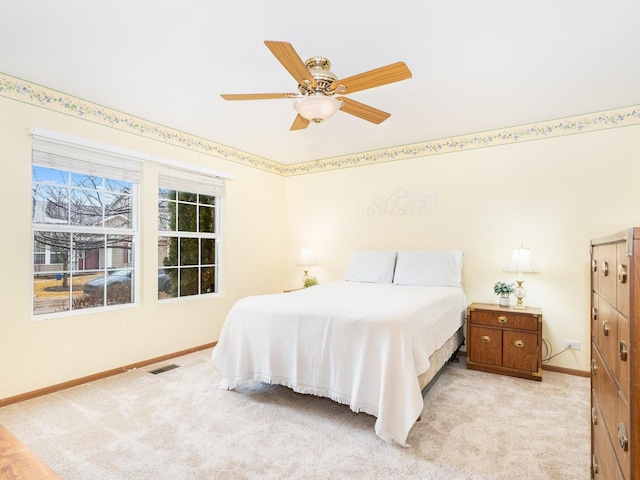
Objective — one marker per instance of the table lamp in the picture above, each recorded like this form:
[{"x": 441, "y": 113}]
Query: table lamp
[
  {"x": 520, "y": 263},
  {"x": 306, "y": 259}
]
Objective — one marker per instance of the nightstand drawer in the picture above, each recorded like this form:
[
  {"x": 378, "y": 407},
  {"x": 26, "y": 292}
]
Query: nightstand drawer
[{"x": 507, "y": 319}]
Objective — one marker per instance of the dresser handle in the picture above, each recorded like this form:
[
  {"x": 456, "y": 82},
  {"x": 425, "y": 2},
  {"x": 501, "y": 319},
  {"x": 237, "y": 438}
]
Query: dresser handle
[
  {"x": 605, "y": 269},
  {"x": 594, "y": 416},
  {"x": 623, "y": 439},
  {"x": 502, "y": 319},
  {"x": 485, "y": 339},
  {"x": 594, "y": 463},
  {"x": 594, "y": 366},
  {"x": 594, "y": 314},
  {"x": 622, "y": 273},
  {"x": 594, "y": 266},
  {"x": 622, "y": 350},
  {"x": 519, "y": 343},
  {"x": 605, "y": 328}
]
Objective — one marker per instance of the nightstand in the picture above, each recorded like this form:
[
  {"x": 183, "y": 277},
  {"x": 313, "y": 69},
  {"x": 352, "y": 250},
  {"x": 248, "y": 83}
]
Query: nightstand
[{"x": 505, "y": 340}]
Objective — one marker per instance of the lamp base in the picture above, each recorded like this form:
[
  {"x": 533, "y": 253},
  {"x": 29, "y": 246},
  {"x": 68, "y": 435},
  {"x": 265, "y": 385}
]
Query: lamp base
[{"x": 520, "y": 292}]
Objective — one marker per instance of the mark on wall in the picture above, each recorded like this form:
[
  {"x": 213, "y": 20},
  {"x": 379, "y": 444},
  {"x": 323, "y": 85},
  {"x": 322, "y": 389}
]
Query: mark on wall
[{"x": 403, "y": 202}]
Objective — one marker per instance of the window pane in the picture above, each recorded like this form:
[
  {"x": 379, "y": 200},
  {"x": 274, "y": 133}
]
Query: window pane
[
  {"x": 208, "y": 251},
  {"x": 188, "y": 281},
  {"x": 88, "y": 252},
  {"x": 86, "y": 208},
  {"x": 49, "y": 175},
  {"x": 117, "y": 186},
  {"x": 189, "y": 254},
  {"x": 207, "y": 219},
  {"x": 187, "y": 217},
  {"x": 187, "y": 197},
  {"x": 50, "y": 205},
  {"x": 87, "y": 181},
  {"x": 51, "y": 293},
  {"x": 119, "y": 251},
  {"x": 57, "y": 250},
  {"x": 172, "y": 290},
  {"x": 208, "y": 280},
  {"x": 166, "y": 215},
  {"x": 207, "y": 200},
  {"x": 165, "y": 283},
  {"x": 117, "y": 210},
  {"x": 167, "y": 251},
  {"x": 120, "y": 287},
  {"x": 166, "y": 194},
  {"x": 88, "y": 290}
]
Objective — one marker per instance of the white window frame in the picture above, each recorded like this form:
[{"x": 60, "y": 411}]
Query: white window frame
[
  {"x": 201, "y": 183},
  {"x": 65, "y": 153}
]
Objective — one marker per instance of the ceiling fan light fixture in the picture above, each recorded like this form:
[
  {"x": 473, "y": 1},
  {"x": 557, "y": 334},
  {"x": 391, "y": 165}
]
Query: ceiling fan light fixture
[{"x": 317, "y": 108}]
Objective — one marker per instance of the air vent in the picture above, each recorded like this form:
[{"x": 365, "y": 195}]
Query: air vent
[{"x": 166, "y": 368}]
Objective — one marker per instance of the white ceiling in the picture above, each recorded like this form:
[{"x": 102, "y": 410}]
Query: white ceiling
[{"x": 476, "y": 65}]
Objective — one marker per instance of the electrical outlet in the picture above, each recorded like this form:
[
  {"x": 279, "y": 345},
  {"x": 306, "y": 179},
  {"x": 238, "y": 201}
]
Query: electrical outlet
[{"x": 572, "y": 344}]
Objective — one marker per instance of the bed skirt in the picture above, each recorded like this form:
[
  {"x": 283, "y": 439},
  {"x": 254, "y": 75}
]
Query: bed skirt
[{"x": 440, "y": 358}]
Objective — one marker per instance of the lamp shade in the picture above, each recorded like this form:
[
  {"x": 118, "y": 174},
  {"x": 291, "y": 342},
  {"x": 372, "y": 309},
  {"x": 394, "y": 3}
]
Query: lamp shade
[
  {"x": 306, "y": 257},
  {"x": 521, "y": 261},
  {"x": 316, "y": 108}
]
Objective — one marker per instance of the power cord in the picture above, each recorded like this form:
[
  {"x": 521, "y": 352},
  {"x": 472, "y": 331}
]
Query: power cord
[{"x": 549, "y": 348}]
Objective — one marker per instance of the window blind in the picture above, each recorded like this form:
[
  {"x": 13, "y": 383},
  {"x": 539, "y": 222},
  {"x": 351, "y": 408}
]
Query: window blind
[
  {"x": 65, "y": 155},
  {"x": 190, "y": 181}
]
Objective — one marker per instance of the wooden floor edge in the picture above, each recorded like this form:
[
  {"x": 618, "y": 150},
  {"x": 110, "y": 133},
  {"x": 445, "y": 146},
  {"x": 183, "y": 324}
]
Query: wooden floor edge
[
  {"x": 568, "y": 371},
  {"x": 98, "y": 376}
]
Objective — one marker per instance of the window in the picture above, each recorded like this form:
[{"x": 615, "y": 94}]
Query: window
[
  {"x": 188, "y": 238},
  {"x": 84, "y": 228}
]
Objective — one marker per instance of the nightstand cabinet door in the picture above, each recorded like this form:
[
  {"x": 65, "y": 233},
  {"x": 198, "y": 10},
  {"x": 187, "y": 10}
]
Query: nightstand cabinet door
[
  {"x": 520, "y": 350},
  {"x": 487, "y": 345}
]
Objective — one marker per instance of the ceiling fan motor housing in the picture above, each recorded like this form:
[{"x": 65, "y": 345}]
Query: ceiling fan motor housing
[{"x": 319, "y": 68}]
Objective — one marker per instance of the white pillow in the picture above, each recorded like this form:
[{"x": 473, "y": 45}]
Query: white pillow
[
  {"x": 372, "y": 267},
  {"x": 429, "y": 267}
]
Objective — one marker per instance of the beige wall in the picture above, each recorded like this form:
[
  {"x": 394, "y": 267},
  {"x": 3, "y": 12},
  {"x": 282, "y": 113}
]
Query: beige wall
[
  {"x": 553, "y": 195},
  {"x": 36, "y": 354}
]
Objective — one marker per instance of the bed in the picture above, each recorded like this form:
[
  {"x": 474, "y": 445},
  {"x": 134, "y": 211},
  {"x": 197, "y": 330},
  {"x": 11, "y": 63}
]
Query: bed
[{"x": 372, "y": 341}]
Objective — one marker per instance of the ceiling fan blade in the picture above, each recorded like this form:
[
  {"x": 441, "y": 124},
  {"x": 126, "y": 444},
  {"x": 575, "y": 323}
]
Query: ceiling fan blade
[
  {"x": 290, "y": 60},
  {"x": 258, "y": 96},
  {"x": 299, "y": 123},
  {"x": 373, "y": 78},
  {"x": 363, "y": 111}
]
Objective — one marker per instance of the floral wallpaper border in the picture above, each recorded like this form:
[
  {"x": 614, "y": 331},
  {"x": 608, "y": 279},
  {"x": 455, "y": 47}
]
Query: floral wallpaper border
[
  {"x": 535, "y": 131},
  {"x": 16, "y": 89}
]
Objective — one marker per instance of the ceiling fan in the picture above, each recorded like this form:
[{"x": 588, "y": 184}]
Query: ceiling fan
[{"x": 318, "y": 87}]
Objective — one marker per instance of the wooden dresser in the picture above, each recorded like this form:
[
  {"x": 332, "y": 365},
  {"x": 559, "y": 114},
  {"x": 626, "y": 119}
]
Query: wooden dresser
[
  {"x": 615, "y": 376},
  {"x": 505, "y": 340},
  {"x": 17, "y": 462}
]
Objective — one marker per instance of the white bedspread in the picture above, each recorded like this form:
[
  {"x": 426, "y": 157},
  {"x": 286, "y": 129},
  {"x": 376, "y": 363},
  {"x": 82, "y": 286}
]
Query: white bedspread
[{"x": 360, "y": 344}]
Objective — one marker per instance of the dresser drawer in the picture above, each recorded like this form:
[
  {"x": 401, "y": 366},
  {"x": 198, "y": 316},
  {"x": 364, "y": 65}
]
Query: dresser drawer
[
  {"x": 507, "y": 319},
  {"x": 603, "y": 461}
]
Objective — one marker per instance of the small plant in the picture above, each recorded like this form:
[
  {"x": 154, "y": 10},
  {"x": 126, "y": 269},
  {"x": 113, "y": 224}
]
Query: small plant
[
  {"x": 310, "y": 282},
  {"x": 503, "y": 289}
]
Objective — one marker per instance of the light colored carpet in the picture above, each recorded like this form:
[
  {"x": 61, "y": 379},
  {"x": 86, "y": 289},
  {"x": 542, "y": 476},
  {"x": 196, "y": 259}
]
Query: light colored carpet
[{"x": 179, "y": 425}]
